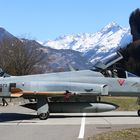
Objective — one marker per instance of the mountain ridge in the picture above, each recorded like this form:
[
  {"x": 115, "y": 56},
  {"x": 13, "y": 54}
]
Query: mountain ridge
[
  {"x": 80, "y": 50},
  {"x": 94, "y": 46}
]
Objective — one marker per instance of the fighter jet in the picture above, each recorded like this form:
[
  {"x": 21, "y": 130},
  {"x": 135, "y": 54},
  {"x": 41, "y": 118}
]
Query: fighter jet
[{"x": 73, "y": 91}]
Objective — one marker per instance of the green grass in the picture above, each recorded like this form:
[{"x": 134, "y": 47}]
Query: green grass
[
  {"x": 124, "y": 103},
  {"x": 125, "y": 134}
]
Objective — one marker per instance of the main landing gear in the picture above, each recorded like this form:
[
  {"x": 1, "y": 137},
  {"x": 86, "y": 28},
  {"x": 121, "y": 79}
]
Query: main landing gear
[
  {"x": 43, "y": 116},
  {"x": 42, "y": 108},
  {"x": 138, "y": 112}
]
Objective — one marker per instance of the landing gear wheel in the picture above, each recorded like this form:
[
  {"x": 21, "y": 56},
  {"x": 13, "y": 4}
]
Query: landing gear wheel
[
  {"x": 43, "y": 116},
  {"x": 138, "y": 112}
]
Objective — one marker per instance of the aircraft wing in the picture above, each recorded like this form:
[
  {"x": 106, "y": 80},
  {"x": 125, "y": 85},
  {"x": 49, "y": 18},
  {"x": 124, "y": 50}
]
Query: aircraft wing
[{"x": 52, "y": 89}]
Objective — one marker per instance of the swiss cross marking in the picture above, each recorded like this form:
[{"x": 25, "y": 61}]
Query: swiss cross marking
[{"x": 121, "y": 82}]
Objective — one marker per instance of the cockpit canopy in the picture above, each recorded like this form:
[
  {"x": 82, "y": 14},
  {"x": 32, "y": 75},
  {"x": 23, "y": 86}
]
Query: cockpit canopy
[
  {"x": 104, "y": 67},
  {"x": 108, "y": 61}
]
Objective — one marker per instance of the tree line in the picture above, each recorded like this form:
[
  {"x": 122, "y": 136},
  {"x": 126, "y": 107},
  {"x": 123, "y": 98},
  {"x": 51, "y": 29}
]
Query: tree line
[
  {"x": 17, "y": 57},
  {"x": 131, "y": 52}
]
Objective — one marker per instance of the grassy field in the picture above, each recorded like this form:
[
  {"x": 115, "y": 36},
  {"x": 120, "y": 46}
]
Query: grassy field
[
  {"x": 125, "y": 134},
  {"x": 125, "y": 103}
]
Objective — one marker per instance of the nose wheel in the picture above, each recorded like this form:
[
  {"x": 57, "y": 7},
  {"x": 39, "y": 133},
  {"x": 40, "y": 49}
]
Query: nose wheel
[{"x": 138, "y": 112}]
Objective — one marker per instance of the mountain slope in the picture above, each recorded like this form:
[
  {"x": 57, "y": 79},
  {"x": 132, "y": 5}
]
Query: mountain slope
[
  {"x": 96, "y": 45},
  {"x": 55, "y": 60},
  {"x": 59, "y": 60},
  {"x": 5, "y": 34},
  {"x": 79, "y": 49}
]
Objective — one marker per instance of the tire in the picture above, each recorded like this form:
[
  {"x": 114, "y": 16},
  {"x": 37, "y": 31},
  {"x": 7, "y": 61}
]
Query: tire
[
  {"x": 43, "y": 116},
  {"x": 138, "y": 112}
]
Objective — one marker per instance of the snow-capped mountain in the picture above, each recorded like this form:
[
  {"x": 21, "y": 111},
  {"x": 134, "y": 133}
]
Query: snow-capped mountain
[
  {"x": 95, "y": 45},
  {"x": 80, "y": 49}
]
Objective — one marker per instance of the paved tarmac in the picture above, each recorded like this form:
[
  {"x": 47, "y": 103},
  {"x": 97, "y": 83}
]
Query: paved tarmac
[{"x": 17, "y": 122}]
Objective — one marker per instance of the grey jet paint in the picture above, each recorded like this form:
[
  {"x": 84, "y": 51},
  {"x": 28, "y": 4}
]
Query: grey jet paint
[{"x": 74, "y": 91}]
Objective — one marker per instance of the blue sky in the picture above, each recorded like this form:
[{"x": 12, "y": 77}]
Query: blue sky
[{"x": 48, "y": 19}]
